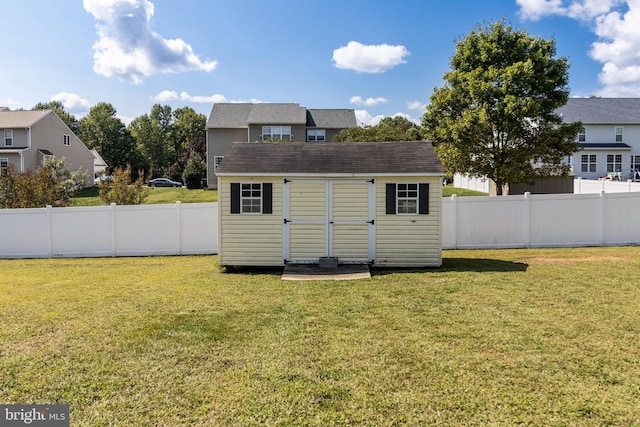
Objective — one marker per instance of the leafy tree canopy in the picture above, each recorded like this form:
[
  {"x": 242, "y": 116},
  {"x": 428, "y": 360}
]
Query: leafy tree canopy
[
  {"x": 388, "y": 129},
  {"x": 494, "y": 116}
]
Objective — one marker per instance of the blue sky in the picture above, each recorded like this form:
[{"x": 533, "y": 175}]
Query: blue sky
[{"x": 380, "y": 58}]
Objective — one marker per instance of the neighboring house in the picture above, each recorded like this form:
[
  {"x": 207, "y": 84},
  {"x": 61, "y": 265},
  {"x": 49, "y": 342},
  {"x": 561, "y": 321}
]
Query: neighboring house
[
  {"x": 30, "y": 137},
  {"x": 610, "y": 138},
  {"x": 374, "y": 203},
  {"x": 240, "y": 122},
  {"x": 99, "y": 165}
]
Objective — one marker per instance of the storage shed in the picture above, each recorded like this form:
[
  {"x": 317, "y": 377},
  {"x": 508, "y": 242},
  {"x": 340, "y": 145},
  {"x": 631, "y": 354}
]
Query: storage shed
[{"x": 376, "y": 203}]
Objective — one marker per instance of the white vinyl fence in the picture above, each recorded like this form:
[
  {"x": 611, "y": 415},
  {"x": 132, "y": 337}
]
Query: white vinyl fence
[
  {"x": 99, "y": 231},
  {"x": 558, "y": 220},
  {"x": 552, "y": 220}
]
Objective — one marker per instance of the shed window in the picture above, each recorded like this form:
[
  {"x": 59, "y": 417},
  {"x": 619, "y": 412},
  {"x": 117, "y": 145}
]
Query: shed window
[
  {"x": 251, "y": 198},
  {"x": 66, "y": 139},
  {"x": 407, "y": 199}
]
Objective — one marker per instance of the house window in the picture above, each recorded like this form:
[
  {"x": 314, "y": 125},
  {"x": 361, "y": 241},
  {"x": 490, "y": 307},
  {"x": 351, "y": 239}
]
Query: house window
[
  {"x": 618, "y": 134},
  {"x": 66, "y": 139},
  {"x": 251, "y": 198},
  {"x": 8, "y": 137},
  {"x": 278, "y": 133},
  {"x": 588, "y": 163},
  {"x": 216, "y": 162},
  {"x": 4, "y": 166},
  {"x": 315, "y": 135},
  {"x": 582, "y": 135},
  {"x": 635, "y": 161},
  {"x": 614, "y": 162},
  {"x": 407, "y": 199}
]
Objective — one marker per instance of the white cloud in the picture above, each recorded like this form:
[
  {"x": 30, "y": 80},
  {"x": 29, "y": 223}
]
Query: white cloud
[
  {"x": 416, "y": 105},
  {"x": 10, "y": 103},
  {"x": 369, "y": 102},
  {"x": 369, "y": 59},
  {"x": 172, "y": 95},
  {"x": 73, "y": 103},
  {"x": 408, "y": 117},
  {"x": 578, "y": 9},
  {"x": 363, "y": 118},
  {"x": 128, "y": 48},
  {"x": 617, "y": 25}
]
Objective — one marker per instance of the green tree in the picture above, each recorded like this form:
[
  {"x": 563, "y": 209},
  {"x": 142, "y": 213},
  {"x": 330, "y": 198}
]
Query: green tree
[
  {"x": 103, "y": 131},
  {"x": 494, "y": 116},
  {"x": 153, "y": 134},
  {"x": 51, "y": 184},
  {"x": 121, "y": 190},
  {"x": 396, "y": 128},
  {"x": 189, "y": 131},
  {"x": 194, "y": 171},
  {"x": 58, "y": 108}
]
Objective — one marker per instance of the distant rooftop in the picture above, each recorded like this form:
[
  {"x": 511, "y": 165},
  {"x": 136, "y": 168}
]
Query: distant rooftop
[
  {"x": 241, "y": 115},
  {"x": 601, "y": 110}
]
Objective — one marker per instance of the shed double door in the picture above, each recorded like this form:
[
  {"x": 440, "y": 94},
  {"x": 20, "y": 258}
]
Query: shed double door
[{"x": 329, "y": 218}]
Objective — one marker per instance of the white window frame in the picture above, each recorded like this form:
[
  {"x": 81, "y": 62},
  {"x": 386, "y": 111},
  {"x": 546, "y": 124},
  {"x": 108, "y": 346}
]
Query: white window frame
[
  {"x": 407, "y": 198},
  {"x": 582, "y": 135},
  {"x": 251, "y": 198},
  {"x": 316, "y": 135},
  {"x": 588, "y": 163},
  {"x": 635, "y": 161},
  {"x": 618, "y": 134},
  {"x": 614, "y": 162},
  {"x": 8, "y": 137},
  {"x": 276, "y": 133},
  {"x": 66, "y": 140},
  {"x": 4, "y": 166},
  {"x": 216, "y": 163}
]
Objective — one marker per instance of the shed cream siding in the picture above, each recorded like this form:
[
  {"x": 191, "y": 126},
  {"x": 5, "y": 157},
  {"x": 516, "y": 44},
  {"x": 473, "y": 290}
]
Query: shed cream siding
[
  {"x": 349, "y": 217},
  {"x": 409, "y": 240},
  {"x": 307, "y": 215},
  {"x": 249, "y": 239}
]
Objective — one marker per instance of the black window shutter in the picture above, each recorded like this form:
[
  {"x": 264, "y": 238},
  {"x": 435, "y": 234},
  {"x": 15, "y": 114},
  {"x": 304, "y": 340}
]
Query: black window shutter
[
  {"x": 235, "y": 197},
  {"x": 391, "y": 199},
  {"x": 423, "y": 199},
  {"x": 267, "y": 198}
]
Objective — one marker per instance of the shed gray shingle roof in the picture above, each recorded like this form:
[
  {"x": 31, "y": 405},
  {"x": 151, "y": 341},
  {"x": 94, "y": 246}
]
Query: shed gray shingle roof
[
  {"x": 331, "y": 158},
  {"x": 241, "y": 115},
  {"x": 601, "y": 110}
]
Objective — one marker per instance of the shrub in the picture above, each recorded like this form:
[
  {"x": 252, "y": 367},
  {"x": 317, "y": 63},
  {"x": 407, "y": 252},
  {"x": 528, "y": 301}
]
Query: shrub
[
  {"x": 121, "y": 191},
  {"x": 194, "y": 171}
]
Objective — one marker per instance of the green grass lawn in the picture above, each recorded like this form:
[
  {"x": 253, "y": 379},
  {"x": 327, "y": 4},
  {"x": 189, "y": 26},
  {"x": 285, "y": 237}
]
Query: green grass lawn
[
  {"x": 502, "y": 337},
  {"x": 448, "y": 191},
  {"x": 89, "y": 196}
]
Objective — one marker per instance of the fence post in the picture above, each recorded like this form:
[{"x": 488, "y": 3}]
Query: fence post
[
  {"x": 579, "y": 180},
  {"x": 50, "y": 234},
  {"x": 527, "y": 219},
  {"x": 112, "y": 211},
  {"x": 179, "y": 227},
  {"x": 603, "y": 218},
  {"x": 454, "y": 219}
]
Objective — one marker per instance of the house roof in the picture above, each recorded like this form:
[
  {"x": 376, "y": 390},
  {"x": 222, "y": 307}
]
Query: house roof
[
  {"x": 604, "y": 145},
  {"x": 241, "y": 115},
  {"x": 601, "y": 110},
  {"x": 331, "y": 119},
  {"x": 344, "y": 158},
  {"x": 20, "y": 119}
]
